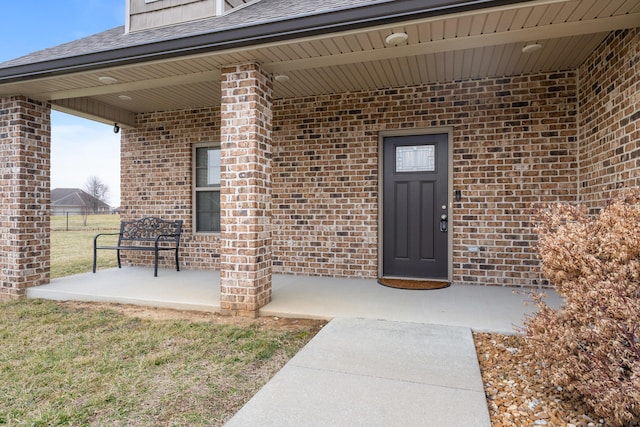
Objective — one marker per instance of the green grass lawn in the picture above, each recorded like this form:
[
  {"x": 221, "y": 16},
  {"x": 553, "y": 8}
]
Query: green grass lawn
[
  {"x": 61, "y": 364},
  {"x": 91, "y": 364},
  {"x": 72, "y": 243}
]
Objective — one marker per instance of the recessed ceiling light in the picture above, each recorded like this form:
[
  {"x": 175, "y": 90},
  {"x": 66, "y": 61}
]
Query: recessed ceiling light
[
  {"x": 108, "y": 80},
  {"x": 282, "y": 78},
  {"x": 395, "y": 39},
  {"x": 125, "y": 97},
  {"x": 531, "y": 47}
]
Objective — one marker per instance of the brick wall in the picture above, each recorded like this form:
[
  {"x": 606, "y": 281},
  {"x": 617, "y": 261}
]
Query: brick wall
[
  {"x": 514, "y": 147},
  {"x": 325, "y": 183},
  {"x": 156, "y": 171},
  {"x": 610, "y": 118},
  {"x": 25, "y": 153}
]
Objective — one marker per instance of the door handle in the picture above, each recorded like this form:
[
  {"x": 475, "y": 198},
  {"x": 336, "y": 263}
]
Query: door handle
[{"x": 444, "y": 223}]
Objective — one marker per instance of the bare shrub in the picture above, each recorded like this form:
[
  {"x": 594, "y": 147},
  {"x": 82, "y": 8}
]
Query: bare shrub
[{"x": 591, "y": 346}]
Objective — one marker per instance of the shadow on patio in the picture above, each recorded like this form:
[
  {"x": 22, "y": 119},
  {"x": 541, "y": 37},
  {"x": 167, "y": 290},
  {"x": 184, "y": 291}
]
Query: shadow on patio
[{"x": 482, "y": 308}]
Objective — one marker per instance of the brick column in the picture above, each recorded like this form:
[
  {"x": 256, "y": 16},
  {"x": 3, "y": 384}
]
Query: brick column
[
  {"x": 25, "y": 158},
  {"x": 245, "y": 194}
]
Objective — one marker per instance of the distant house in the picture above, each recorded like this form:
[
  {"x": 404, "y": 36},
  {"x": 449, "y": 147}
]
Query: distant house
[{"x": 74, "y": 201}]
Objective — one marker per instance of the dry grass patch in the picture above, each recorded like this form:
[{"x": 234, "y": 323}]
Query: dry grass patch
[
  {"x": 82, "y": 364},
  {"x": 96, "y": 223},
  {"x": 72, "y": 243}
]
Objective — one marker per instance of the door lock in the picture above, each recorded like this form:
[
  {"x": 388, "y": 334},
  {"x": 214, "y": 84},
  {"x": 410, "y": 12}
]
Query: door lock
[{"x": 444, "y": 223}]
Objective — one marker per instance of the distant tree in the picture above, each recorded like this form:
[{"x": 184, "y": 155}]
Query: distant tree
[
  {"x": 85, "y": 215},
  {"x": 98, "y": 190}
]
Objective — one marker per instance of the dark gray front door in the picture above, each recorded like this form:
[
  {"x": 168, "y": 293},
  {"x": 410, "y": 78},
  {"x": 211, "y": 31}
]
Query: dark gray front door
[{"x": 415, "y": 207}]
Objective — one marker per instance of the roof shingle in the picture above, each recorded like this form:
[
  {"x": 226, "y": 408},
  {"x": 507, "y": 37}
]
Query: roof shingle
[{"x": 258, "y": 13}]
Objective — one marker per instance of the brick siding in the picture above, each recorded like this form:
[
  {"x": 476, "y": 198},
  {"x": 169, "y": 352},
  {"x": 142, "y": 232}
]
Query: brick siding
[
  {"x": 325, "y": 180},
  {"x": 156, "y": 171},
  {"x": 514, "y": 147},
  {"x": 25, "y": 153},
  {"x": 610, "y": 119}
]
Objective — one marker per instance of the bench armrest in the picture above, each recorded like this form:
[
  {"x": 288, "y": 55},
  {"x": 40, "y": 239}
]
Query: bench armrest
[
  {"x": 161, "y": 236},
  {"x": 95, "y": 239}
]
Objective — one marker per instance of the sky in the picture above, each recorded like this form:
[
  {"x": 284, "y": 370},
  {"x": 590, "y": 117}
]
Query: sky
[{"x": 80, "y": 148}]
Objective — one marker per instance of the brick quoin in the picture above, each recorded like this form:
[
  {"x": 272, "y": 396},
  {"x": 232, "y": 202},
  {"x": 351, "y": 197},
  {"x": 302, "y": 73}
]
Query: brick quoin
[
  {"x": 25, "y": 153},
  {"x": 610, "y": 119}
]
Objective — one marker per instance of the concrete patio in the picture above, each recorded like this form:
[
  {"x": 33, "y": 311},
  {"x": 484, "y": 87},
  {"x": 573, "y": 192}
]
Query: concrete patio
[
  {"x": 388, "y": 357},
  {"x": 481, "y": 308}
]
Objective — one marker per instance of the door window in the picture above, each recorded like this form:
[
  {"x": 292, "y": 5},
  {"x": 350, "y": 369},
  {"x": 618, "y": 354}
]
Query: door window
[{"x": 416, "y": 158}]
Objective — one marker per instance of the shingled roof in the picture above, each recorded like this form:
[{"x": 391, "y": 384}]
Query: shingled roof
[
  {"x": 75, "y": 197},
  {"x": 260, "y": 22},
  {"x": 258, "y": 13}
]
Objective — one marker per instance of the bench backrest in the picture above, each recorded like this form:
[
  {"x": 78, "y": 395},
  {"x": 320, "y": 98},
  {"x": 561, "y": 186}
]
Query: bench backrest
[{"x": 148, "y": 229}]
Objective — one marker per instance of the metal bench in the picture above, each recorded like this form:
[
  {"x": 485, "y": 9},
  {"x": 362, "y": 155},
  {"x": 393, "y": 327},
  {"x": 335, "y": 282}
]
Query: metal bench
[{"x": 146, "y": 234}]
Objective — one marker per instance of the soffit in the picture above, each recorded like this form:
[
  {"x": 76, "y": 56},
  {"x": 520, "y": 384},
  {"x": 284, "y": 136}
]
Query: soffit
[{"x": 470, "y": 45}]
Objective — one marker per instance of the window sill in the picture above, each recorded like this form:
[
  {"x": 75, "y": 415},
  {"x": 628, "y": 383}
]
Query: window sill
[{"x": 207, "y": 233}]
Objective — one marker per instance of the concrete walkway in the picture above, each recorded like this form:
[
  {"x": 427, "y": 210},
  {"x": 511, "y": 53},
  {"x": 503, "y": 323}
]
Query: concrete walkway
[
  {"x": 389, "y": 357},
  {"x": 362, "y": 372}
]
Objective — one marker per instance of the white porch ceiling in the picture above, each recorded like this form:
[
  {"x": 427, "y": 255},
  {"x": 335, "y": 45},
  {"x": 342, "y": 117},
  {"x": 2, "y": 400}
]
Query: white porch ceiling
[{"x": 471, "y": 45}]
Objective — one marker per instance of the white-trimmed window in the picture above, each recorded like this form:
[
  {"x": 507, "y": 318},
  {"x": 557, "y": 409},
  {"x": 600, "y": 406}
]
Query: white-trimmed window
[{"x": 206, "y": 214}]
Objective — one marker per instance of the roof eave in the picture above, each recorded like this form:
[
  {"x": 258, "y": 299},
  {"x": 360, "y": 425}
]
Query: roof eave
[{"x": 375, "y": 14}]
